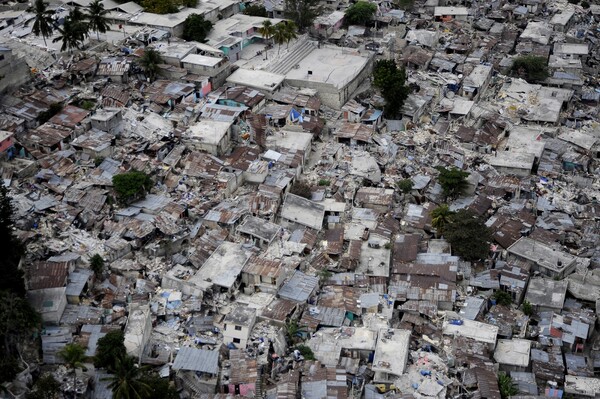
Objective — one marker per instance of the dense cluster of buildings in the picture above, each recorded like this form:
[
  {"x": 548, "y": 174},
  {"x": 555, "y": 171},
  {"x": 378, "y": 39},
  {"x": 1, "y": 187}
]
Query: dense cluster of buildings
[{"x": 226, "y": 273}]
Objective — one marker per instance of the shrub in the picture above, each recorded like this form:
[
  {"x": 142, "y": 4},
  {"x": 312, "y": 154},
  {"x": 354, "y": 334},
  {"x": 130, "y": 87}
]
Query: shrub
[
  {"x": 324, "y": 182},
  {"x": 527, "y": 308}
]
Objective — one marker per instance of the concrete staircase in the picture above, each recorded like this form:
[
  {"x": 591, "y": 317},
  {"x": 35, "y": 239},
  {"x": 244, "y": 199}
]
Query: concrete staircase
[
  {"x": 285, "y": 64},
  {"x": 258, "y": 386}
]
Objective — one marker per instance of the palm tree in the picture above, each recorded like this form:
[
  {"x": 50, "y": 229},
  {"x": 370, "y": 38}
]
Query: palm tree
[
  {"x": 97, "y": 18},
  {"x": 291, "y": 32},
  {"x": 440, "y": 217},
  {"x": 266, "y": 30},
  {"x": 74, "y": 355},
  {"x": 150, "y": 61},
  {"x": 74, "y": 30},
  {"x": 506, "y": 386},
  {"x": 279, "y": 35},
  {"x": 294, "y": 331},
  {"x": 42, "y": 24},
  {"x": 126, "y": 383}
]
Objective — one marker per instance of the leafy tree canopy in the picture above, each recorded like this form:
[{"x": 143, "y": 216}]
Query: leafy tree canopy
[
  {"x": 196, "y": 28},
  {"x": 109, "y": 349},
  {"x": 97, "y": 264},
  {"x": 527, "y": 308},
  {"x": 256, "y": 10},
  {"x": 360, "y": 13},
  {"x": 131, "y": 186},
  {"x": 160, "y": 6},
  {"x": 405, "y": 185},
  {"x": 468, "y": 235},
  {"x": 17, "y": 323},
  {"x": 391, "y": 81},
  {"x": 532, "y": 68},
  {"x": 303, "y": 12},
  {"x": 453, "y": 181},
  {"x": 503, "y": 298},
  {"x": 12, "y": 248}
]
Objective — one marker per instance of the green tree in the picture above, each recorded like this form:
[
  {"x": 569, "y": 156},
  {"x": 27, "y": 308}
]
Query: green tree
[
  {"x": 506, "y": 386},
  {"x": 360, "y": 13},
  {"x": 532, "y": 68},
  {"x": 74, "y": 355},
  {"x": 468, "y": 235},
  {"x": 46, "y": 387},
  {"x": 42, "y": 22},
  {"x": 453, "y": 181},
  {"x": 405, "y": 185},
  {"x": 196, "y": 28},
  {"x": 18, "y": 320},
  {"x": 503, "y": 298},
  {"x": 110, "y": 348},
  {"x": 440, "y": 217},
  {"x": 74, "y": 31},
  {"x": 97, "y": 18},
  {"x": 303, "y": 12},
  {"x": 127, "y": 381},
  {"x": 527, "y": 308},
  {"x": 150, "y": 61},
  {"x": 97, "y": 264},
  {"x": 131, "y": 186},
  {"x": 391, "y": 81},
  {"x": 12, "y": 249},
  {"x": 160, "y": 6},
  {"x": 256, "y": 10}
]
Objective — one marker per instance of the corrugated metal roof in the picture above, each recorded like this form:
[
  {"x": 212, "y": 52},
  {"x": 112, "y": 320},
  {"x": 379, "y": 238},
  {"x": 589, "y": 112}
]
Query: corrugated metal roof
[{"x": 197, "y": 360}]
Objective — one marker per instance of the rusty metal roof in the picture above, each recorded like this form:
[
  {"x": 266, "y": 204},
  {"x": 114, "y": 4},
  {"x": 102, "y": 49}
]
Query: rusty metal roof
[
  {"x": 70, "y": 116},
  {"x": 44, "y": 275}
]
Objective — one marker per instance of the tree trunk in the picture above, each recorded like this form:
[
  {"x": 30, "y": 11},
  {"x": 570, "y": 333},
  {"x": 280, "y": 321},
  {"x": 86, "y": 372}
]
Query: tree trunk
[
  {"x": 97, "y": 35},
  {"x": 45, "y": 44}
]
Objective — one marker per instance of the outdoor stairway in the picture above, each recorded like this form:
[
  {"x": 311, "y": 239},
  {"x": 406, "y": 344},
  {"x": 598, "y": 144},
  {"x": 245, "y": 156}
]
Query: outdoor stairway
[
  {"x": 291, "y": 59},
  {"x": 258, "y": 392}
]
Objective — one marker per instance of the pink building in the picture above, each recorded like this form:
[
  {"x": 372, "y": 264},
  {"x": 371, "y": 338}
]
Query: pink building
[{"x": 6, "y": 141}]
